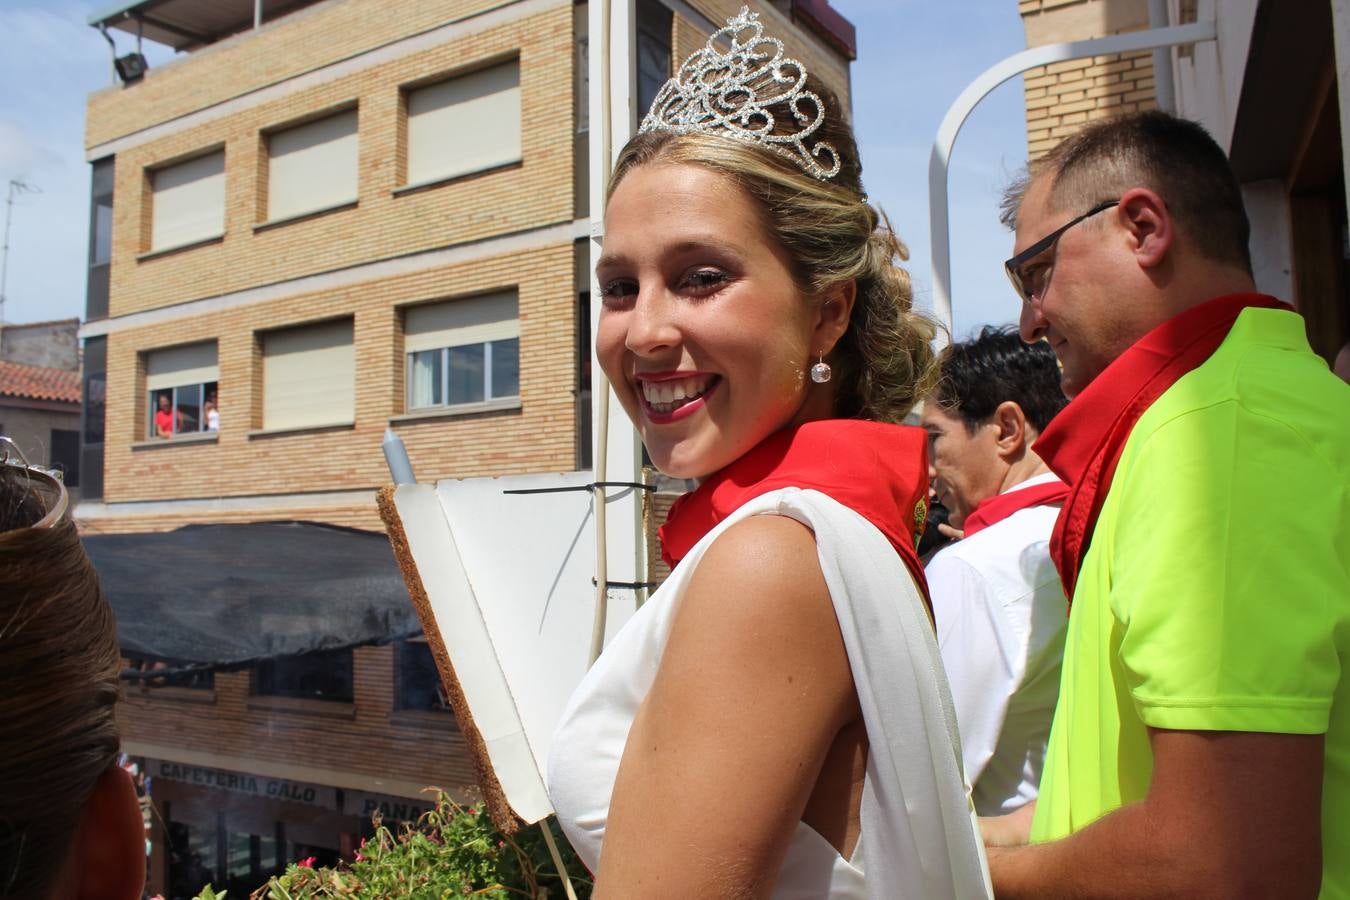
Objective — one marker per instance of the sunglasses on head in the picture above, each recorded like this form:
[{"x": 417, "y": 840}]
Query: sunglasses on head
[{"x": 1029, "y": 279}]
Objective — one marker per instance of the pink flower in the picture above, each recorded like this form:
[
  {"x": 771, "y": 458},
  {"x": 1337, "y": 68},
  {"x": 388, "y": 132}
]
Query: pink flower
[
  {"x": 501, "y": 844},
  {"x": 307, "y": 862}
]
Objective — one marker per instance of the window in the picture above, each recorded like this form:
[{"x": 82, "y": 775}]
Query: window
[
  {"x": 180, "y": 384},
  {"x": 100, "y": 238},
  {"x": 317, "y": 676},
  {"x": 309, "y": 376},
  {"x": 311, "y": 167},
  {"x": 463, "y": 351},
  {"x": 101, "y": 251},
  {"x": 583, "y": 84},
  {"x": 419, "y": 684},
  {"x": 202, "y": 680},
  {"x": 65, "y": 455},
  {"x": 189, "y": 202},
  {"x": 653, "y": 52},
  {"x": 95, "y": 398},
  {"x": 466, "y": 124}
]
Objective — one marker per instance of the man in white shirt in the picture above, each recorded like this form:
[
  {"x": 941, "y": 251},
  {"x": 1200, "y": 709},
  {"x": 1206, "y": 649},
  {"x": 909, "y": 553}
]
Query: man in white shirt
[{"x": 999, "y": 605}]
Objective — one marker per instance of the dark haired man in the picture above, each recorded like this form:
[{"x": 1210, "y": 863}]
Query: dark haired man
[
  {"x": 996, "y": 595},
  {"x": 1201, "y": 746}
]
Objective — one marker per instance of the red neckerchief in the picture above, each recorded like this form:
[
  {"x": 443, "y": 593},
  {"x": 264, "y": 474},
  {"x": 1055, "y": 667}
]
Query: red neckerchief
[
  {"x": 1083, "y": 443},
  {"x": 995, "y": 509},
  {"x": 875, "y": 469}
]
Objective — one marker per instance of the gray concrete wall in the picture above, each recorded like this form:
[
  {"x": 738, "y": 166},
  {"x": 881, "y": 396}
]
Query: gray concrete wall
[
  {"x": 1271, "y": 241},
  {"x": 1209, "y": 81},
  {"x": 31, "y": 429},
  {"x": 52, "y": 344}
]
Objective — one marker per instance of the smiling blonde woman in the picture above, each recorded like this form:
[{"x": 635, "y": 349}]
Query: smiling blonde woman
[{"x": 774, "y": 722}]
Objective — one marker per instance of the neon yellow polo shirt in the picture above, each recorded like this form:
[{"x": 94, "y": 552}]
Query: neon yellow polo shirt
[{"x": 1215, "y": 594}]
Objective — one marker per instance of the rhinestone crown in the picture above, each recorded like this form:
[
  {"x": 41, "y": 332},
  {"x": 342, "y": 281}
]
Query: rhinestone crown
[{"x": 715, "y": 91}]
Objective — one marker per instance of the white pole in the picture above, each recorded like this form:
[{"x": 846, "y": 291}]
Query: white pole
[
  {"x": 616, "y": 455},
  {"x": 940, "y": 159},
  {"x": 1163, "y": 88}
]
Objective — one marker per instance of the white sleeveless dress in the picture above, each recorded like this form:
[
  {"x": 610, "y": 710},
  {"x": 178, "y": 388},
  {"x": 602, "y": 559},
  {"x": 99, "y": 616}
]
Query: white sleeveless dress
[{"x": 918, "y": 837}]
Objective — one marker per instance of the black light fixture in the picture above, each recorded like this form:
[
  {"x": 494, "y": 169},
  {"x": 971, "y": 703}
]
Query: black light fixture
[{"x": 131, "y": 67}]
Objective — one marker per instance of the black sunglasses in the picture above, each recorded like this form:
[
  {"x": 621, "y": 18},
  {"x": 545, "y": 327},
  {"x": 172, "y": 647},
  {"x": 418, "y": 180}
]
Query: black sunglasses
[{"x": 1029, "y": 284}]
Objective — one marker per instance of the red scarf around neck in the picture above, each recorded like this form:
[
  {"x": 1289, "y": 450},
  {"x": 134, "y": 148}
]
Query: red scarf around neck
[
  {"x": 995, "y": 509},
  {"x": 878, "y": 470},
  {"x": 1083, "y": 443}
]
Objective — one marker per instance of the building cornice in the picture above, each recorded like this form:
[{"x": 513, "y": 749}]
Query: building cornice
[{"x": 336, "y": 279}]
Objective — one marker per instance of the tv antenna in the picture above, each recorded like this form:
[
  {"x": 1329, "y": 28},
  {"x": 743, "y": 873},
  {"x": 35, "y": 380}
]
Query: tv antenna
[{"x": 17, "y": 186}]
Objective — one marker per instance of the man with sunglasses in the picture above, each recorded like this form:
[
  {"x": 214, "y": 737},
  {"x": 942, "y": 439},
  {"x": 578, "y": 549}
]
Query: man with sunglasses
[{"x": 1201, "y": 744}]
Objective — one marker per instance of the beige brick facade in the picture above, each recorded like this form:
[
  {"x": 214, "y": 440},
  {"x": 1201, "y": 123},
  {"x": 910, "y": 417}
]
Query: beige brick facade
[
  {"x": 243, "y": 461},
  {"x": 315, "y": 37},
  {"x": 383, "y": 223},
  {"x": 369, "y": 738},
  {"x": 1062, "y": 97}
]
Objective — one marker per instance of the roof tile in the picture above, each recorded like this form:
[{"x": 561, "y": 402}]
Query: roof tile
[{"x": 39, "y": 382}]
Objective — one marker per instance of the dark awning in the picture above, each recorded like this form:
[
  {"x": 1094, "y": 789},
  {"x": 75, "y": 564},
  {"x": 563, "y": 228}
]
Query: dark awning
[
  {"x": 229, "y": 596},
  {"x": 189, "y": 24}
]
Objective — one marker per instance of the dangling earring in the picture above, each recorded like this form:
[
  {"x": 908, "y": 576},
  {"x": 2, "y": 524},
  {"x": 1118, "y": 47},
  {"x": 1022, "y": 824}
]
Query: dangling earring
[{"x": 821, "y": 371}]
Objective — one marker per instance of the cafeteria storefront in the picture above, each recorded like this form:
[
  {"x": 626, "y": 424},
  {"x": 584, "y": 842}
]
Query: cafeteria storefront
[{"x": 237, "y": 829}]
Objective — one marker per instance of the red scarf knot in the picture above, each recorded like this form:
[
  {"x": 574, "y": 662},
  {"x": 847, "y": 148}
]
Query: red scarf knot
[
  {"x": 876, "y": 469},
  {"x": 995, "y": 509}
]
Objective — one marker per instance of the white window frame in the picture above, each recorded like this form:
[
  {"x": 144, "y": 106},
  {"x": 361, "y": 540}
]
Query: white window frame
[
  {"x": 343, "y": 412},
  {"x": 187, "y": 368},
  {"x": 445, "y": 121},
  {"x": 201, "y": 178},
  {"x": 487, "y": 328},
  {"x": 311, "y": 165}
]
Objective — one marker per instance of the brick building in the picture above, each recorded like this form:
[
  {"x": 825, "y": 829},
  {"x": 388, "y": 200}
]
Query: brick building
[
  {"x": 1270, "y": 89},
  {"x": 306, "y": 229}
]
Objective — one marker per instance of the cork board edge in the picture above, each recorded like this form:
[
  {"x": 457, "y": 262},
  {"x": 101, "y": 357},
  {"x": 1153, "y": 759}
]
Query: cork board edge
[{"x": 499, "y": 810}]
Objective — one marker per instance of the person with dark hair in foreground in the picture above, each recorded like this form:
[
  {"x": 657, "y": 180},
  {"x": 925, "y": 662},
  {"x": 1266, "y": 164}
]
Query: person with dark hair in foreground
[
  {"x": 1201, "y": 745},
  {"x": 996, "y": 596},
  {"x": 70, "y": 826}
]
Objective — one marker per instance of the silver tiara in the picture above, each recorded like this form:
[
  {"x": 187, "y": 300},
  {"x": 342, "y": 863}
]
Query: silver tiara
[{"x": 715, "y": 91}]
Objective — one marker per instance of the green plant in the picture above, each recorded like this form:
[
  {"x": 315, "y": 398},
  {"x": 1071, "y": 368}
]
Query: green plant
[{"x": 450, "y": 852}]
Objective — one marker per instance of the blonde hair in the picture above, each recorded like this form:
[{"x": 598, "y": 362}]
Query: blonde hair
[
  {"x": 883, "y": 364},
  {"x": 59, "y": 665}
]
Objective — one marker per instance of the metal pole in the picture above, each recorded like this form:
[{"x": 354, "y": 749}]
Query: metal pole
[
  {"x": 257, "y": 13},
  {"x": 940, "y": 159},
  {"x": 4, "y": 249},
  {"x": 16, "y": 186}
]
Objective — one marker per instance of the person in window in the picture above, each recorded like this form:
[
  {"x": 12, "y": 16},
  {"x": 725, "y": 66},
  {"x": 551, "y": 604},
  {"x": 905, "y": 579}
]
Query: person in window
[
  {"x": 168, "y": 421},
  {"x": 211, "y": 413},
  {"x": 774, "y": 722},
  {"x": 70, "y": 825}
]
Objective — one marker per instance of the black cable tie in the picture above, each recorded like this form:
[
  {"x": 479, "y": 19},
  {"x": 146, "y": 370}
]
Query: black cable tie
[
  {"x": 630, "y": 585},
  {"x": 584, "y": 487}
]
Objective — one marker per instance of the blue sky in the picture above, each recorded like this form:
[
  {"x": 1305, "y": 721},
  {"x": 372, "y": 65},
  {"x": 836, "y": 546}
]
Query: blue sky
[{"x": 914, "y": 57}]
